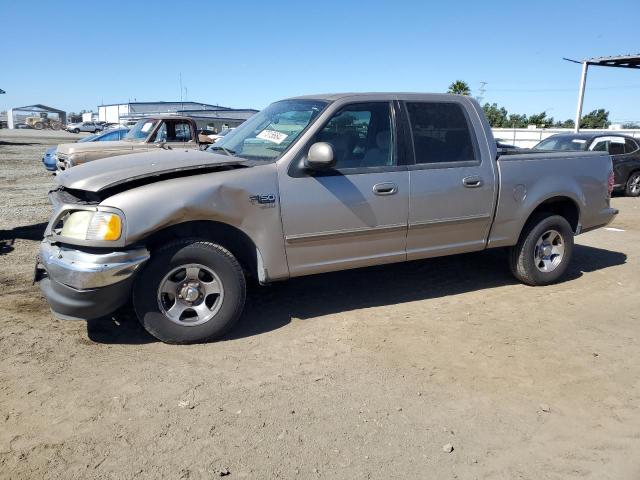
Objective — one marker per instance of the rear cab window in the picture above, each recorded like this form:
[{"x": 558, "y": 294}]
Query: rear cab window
[{"x": 441, "y": 134}]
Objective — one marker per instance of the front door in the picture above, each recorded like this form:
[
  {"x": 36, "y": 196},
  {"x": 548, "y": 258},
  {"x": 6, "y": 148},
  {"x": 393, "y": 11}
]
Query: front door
[
  {"x": 356, "y": 213},
  {"x": 452, "y": 181},
  {"x": 175, "y": 134}
]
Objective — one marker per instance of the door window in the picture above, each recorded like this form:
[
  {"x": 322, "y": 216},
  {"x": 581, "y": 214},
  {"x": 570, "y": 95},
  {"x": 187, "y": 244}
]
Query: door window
[
  {"x": 630, "y": 145},
  {"x": 161, "y": 134},
  {"x": 183, "y": 132},
  {"x": 361, "y": 136},
  {"x": 600, "y": 145},
  {"x": 611, "y": 145},
  {"x": 441, "y": 133}
]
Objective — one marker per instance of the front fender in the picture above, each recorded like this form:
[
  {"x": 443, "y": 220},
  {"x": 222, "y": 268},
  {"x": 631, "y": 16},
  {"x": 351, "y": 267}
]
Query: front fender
[{"x": 227, "y": 197}]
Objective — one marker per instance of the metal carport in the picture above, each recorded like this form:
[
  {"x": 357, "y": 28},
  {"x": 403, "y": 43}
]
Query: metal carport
[
  {"x": 37, "y": 108},
  {"x": 621, "y": 61}
]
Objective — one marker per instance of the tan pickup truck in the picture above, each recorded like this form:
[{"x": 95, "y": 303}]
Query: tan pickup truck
[
  {"x": 168, "y": 131},
  {"x": 309, "y": 185}
]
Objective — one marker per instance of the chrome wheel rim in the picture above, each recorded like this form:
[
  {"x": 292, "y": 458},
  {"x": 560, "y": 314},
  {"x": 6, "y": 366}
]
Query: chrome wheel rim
[
  {"x": 549, "y": 251},
  {"x": 635, "y": 184},
  {"x": 190, "y": 295}
]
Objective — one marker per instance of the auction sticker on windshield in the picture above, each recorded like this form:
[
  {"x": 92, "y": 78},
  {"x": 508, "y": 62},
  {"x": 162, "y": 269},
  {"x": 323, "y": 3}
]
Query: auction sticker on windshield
[{"x": 272, "y": 136}]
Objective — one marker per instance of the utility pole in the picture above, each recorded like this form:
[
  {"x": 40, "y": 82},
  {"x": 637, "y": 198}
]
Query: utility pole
[{"x": 482, "y": 90}]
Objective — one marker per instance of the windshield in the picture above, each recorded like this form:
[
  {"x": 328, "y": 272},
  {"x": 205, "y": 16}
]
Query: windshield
[
  {"x": 562, "y": 143},
  {"x": 88, "y": 138},
  {"x": 267, "y": 134},
  {"x": 141, "y": 130}
]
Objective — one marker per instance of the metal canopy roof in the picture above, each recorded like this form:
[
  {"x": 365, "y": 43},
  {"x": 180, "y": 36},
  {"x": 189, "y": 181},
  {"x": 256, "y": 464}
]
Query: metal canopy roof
[
  {"x": 618, "y": 61},
  {"x": 622, "y": 61},
  {"x": 38, "y": 108}
]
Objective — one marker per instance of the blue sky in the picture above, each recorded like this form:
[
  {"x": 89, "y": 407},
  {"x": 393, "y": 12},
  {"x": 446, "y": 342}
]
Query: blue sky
[{"x": 75, "y": 55}]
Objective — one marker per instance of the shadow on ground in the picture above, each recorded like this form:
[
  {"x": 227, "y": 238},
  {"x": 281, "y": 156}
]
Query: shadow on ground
[
  {"x": 17, "y": 144},
  {"x": 272, "y": 307},
  {"x": 28, "y": 232}
]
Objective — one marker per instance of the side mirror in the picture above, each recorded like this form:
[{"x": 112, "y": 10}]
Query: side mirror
[{"x": 320, "y": 156}]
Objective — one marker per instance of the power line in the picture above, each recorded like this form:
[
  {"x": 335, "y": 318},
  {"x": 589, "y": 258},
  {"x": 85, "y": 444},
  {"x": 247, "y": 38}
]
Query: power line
[{"x": 612, "y": 87}]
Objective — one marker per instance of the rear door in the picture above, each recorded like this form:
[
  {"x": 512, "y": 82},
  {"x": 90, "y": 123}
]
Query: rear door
[
  {"x": 453, "y": 183},
  {"x": 355, "y": 214}
]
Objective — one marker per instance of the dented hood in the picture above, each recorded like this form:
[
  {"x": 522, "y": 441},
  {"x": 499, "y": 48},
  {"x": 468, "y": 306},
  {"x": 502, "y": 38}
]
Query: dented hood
[{"x": 110, "y": 172}]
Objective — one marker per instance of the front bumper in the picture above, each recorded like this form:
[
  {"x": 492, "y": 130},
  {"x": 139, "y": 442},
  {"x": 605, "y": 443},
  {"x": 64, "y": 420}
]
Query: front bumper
[{"x": 83, "y": 285}]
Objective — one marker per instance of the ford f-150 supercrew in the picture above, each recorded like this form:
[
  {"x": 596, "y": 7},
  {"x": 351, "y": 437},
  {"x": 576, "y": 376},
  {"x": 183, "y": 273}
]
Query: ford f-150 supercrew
[{"x": 309, "y": 185}]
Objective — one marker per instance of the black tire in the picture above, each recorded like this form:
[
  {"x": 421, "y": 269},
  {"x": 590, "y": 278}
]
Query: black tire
[
  {"x": 38, "y": 125},
  {"x": 97, "y": 130},
  {"x": 522, "y": 258},
  {"x": 632, "y": 189},
  {"x": 185, "y": 252},
  {"x": 76, "y": 130}
]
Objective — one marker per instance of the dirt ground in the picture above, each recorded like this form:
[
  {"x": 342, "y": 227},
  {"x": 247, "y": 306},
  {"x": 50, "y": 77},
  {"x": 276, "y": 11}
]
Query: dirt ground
[{"x": 353, "y": 375}]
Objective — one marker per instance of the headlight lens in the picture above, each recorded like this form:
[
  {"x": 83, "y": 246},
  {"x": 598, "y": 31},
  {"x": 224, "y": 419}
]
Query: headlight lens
[{"x": 88, "y": 225}]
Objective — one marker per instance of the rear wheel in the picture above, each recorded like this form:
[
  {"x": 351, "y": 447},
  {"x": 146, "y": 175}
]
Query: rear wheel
[
  {"x": 96, "y": 130},
  {"x": 633, "y": 185},
  {"x": 38, "y": 125},
  {"x": 544, "y": 250},
  {"x": 190, "y": 291}
]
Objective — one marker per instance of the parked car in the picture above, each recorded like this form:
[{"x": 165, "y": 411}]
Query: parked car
[
  {"x": 92, "y": 127},
  {"x": 50, "y": 160},
  {"x": 624, "y": 151},
  {"x": 309, "y": 185},
  {"x": 506, "y": 146},
  {"x": 166, "y": 131}
]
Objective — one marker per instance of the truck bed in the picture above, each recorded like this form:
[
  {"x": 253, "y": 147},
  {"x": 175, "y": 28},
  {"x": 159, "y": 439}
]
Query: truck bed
[{"x": 528, "y": 178}]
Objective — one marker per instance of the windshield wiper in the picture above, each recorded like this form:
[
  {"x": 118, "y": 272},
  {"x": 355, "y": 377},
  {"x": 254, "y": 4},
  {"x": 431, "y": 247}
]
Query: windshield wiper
[{"x": 228, "y": 151}]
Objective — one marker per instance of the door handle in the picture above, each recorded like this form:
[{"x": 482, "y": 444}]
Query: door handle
[
  {"x": 385, "y": 188},
  {"x": 473, "y": 181}
]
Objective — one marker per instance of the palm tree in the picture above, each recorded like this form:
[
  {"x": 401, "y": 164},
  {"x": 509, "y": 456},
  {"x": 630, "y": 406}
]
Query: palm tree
[{"x": 459, "y": 87}]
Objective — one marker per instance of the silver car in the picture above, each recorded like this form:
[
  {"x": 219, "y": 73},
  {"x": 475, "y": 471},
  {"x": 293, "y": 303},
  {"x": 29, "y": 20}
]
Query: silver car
[{"x": 92, "y": 127}]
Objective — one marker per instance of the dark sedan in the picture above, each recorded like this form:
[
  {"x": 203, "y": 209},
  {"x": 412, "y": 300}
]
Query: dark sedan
[{"x": 624, "y": 151}]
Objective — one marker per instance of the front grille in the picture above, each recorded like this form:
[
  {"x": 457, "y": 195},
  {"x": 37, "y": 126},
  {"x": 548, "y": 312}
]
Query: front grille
[{"x": 63, "y": 195}]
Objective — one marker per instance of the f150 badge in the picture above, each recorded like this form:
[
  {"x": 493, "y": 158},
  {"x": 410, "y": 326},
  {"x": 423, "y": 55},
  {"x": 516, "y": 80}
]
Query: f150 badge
[{"x": 267, "y": 200}]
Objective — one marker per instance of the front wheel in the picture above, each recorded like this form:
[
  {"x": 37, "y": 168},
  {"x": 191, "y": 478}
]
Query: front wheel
[
  {"x": 76, "y": 130},
  {"x": 190, "y": 291},
  {"x": 544, "y": 250},
  {"x": 633, "y": 185}
]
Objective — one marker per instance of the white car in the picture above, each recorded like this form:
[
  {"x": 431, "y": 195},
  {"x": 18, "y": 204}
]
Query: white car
[
  {"x": 217, "y": 136},
  {"x": 92, "y": 127}
]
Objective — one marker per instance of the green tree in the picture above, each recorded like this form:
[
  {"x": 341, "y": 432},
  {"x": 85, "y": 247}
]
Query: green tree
[
  {"x": 540, "y": 120},
  {"x": 596, "y": 119},
  {"x": 497, "y": 116},
  {"x": 566, "y": 124},
  {"x": 459, "y": 87},
  {"x": 517, "y": 121}
]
